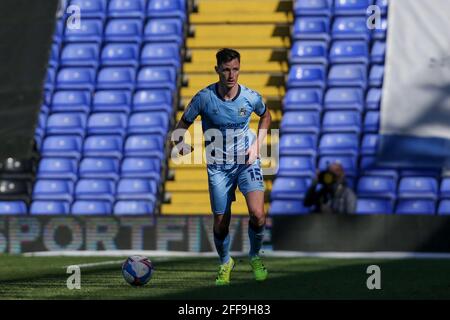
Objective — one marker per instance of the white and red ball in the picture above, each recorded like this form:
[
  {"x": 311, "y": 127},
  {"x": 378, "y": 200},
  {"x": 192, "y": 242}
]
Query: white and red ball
[{"x": 137, "y": 270}]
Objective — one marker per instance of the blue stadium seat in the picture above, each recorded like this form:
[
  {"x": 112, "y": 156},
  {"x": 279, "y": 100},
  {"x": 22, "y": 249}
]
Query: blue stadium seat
[
  {"x": 127, "y": 9},
  {"x": 341, "y": 121},
  {"x": 95, "y": 189},
  {"x": 303, "y": 100},
  {"x": 100, "y": 168},
  {"x": 373, "y": 99},
  {"x": 347, "y": 75},
  {"x": 311, "y": 28},
  {"x": 284, "y": 207},
  {"x": 297, "y": 166},
  {"x": 112, "y": 101},
  {"x": 372, "y": 121},
  {"x": 136, "y": 189},
  {"x": 298, "y": 144},
  {"x": 47, "y": 97},
  {"x": 134, "y": 207},
  {"x": 350, "y": 28},
  {"x": 91, "y": 30},
  {"x": 445, "y": 188},
  {"x": 39, "y": 133},
  {"x": 376, "y": 76},
  {"x": 347, "y": 162},
  {"x": 112, "y": 123},
  {"x": 13, "y": 208},
  {"x": 161, "y": 54},
  {"x": 339, "y": 143},
  {"x": 377, "y": 187},
  {"x": 289, "y": 188},
  {"x": 344, "y": 98},
  {"x": 167, "y": 9},
  {"x": 49, "y": 207},
  {"x": 368, "y": 166},
  {"x": 312, "y": 7},
  {"x": 145, "y": 146},
  {"x": 383, "y": 5},
  {"x": 418, "y": 187},
  {"x": 148, "y": 122},
  {"x": 59, "y": 31},
  {"x": 116, "y": 78},
  {"x": 91, "y": 207},
  {"x": 309, "y": 52},
  {"x": 153, "y": 100},
  {"x": 53, "y": 189},
  {"x": 300, "y": 122},
  {"x": 58, "y": 168},
  {"x": 306, "y": 76},
  {"x": 76, "y": 78},
  {"x": 50, "y": 79},
  {"x": 91, "y": 8},
  {"x": 67, "y": 123},
  {"x": 416, "y": 206},
  {"x": 103, "y": 146},
  {"x": 378, "y": 52},
  {"x": 353, "y": 7},
  {"x": 120, "y": 54},
  {"x": 141, "y": 167},
  {"x": 157, "y": 78},
  {"x": 380, "y": 34},
  {"x": 124, "y": 30},
  {"x": 444, "y": 207},
  {"x": 374, "y": 206},
  {"x": 164, "y": 30},
  {"x": 369, "y": 144},
  {"x": 62, "y": 146},
  {"x": 421, "y": 172},
  {"x": 349, "y": 52},
  {"x": 54, "y": 56},
  {"x": 71, "y": 101}
]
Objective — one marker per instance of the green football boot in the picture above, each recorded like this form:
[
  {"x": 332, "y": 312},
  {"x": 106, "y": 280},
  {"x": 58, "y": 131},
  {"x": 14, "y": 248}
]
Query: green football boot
[
  {"x": 258, "y": 268},
  {"x": 223, "y": 277}
]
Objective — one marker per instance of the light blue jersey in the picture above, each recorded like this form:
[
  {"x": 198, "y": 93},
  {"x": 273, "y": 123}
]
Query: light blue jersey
[{"x": 226, "y": 165}]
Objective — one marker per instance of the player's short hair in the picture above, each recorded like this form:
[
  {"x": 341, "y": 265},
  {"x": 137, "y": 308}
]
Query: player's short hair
[{"x": 226, "y": 55}]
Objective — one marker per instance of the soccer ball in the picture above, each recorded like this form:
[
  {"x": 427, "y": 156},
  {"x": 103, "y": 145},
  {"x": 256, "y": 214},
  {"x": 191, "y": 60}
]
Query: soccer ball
[{"x": 137, "y": 270}]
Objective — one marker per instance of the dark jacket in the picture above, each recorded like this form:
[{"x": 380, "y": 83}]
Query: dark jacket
[{"x": 340, "y": 199}]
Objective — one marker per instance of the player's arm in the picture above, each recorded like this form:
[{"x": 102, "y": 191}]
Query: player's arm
[
  {"x": 177, "y": 138},
  {"x": 263, "y": 126}
]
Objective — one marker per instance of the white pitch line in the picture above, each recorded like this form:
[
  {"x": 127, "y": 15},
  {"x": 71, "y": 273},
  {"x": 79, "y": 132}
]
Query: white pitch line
[{"x": 96, "y": 264}]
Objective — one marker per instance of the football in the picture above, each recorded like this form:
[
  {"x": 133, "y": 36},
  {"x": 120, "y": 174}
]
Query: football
[{"x": 137, "y": 270}]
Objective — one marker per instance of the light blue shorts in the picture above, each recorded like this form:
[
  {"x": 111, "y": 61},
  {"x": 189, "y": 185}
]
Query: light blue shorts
[{"x": 224, "y": 178}]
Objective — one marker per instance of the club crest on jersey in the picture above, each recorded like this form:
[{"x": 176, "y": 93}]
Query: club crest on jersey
[{"x": 242, "y": 112}]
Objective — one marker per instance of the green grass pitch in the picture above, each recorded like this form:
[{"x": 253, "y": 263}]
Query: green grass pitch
[{"x": 193, "y": 278}]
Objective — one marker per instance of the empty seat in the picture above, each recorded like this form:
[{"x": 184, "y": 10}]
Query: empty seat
[
  {"x": 434, "y": 173},
  {"x": 153, "y": 100},
  {"x": 66, "y": 123},
  {"x": 285, "y": 188},
  {"x": 157, "y": 78},
  {"x": 148, "y": 122},
  {"x": 368, "y": 166},
  {"x": 123, "y": 30},
  {"x": 347, "y": 75},
  {"x": 349, "y": 52},
  {"x": 145, "y": 146},
  {"x": 71, "y": 101},
  {"x": 127, "y": 8},
  {"x": 372, "y": 121},
  {"x": 354, "y": 7},
  {"x": 112, "y": 101},
  {"x": 62, "y": 146},
  {"x": 303, "y": 99},
  {"x": 80, "y": 55},
  {"x": 54, "y": 55},
  {"x": 134, "y": 207},
  {"x": 369, "y": 144},
  {"x": 378, "y": 52},
  {"x": 13, "y": 207},
  {"x": 339, "y": 143},
  {"x": 284, "y": 207},
  {"x": 347, "y": 162},
  {"x": 312, "y": 7},
  {"x": 91, "y": 207},
  {"x": 445, "y": 188},
  {"x": 416, "y": 206},
  {"x": 298, "y": 144},
  {"x": 100, "y": 168},
  {"x": 91, "y": 8},
  {"x": 309, "y": 52},
  {"x": 383, "y": 5},
  {"x": 49, "y": 207},
  {"x": 90, "y": 30},
  {"x": 53, "y": 189},
  {"x": 374, "y": 206},
  {"x": 103, "y": 146},
  {"x": 116, "y": 78},
  {"x": 341, "y": 121},
  {"x": 136, "y": 189},
  {"x": 350, "y": 28},
  {"x": 300, "y": 122},
  {"x": 112, "y": 123},
  {"x": 377, "y": 187},
  {"x": 444, "y": 207},
  {"x": 161, "y": 54},
  {"x": 376, "y": 76},
  {"x": 76, "y": 78},
  {"x": 164, "y": 30},
  {"x": 95, "y": 189},
  {"x": 58, "y": 168},
  {"x": 120, "y": 54},
  {"x": 418, "y": 187},
  {"x": 167, "y": 9},
  {"x": 344, "y": 98},
  {"x": 306, "y": 76},
  {"x": 50, "y": 79},
  {"x": 311, "y": 28},
  {"x": 297, "y": 166},
  {"x": 141, "y": 167},
  {"x": 373, "y": 99}
]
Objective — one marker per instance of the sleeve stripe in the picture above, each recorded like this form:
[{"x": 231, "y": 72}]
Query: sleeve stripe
[{"x": 265, "y": 109}]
